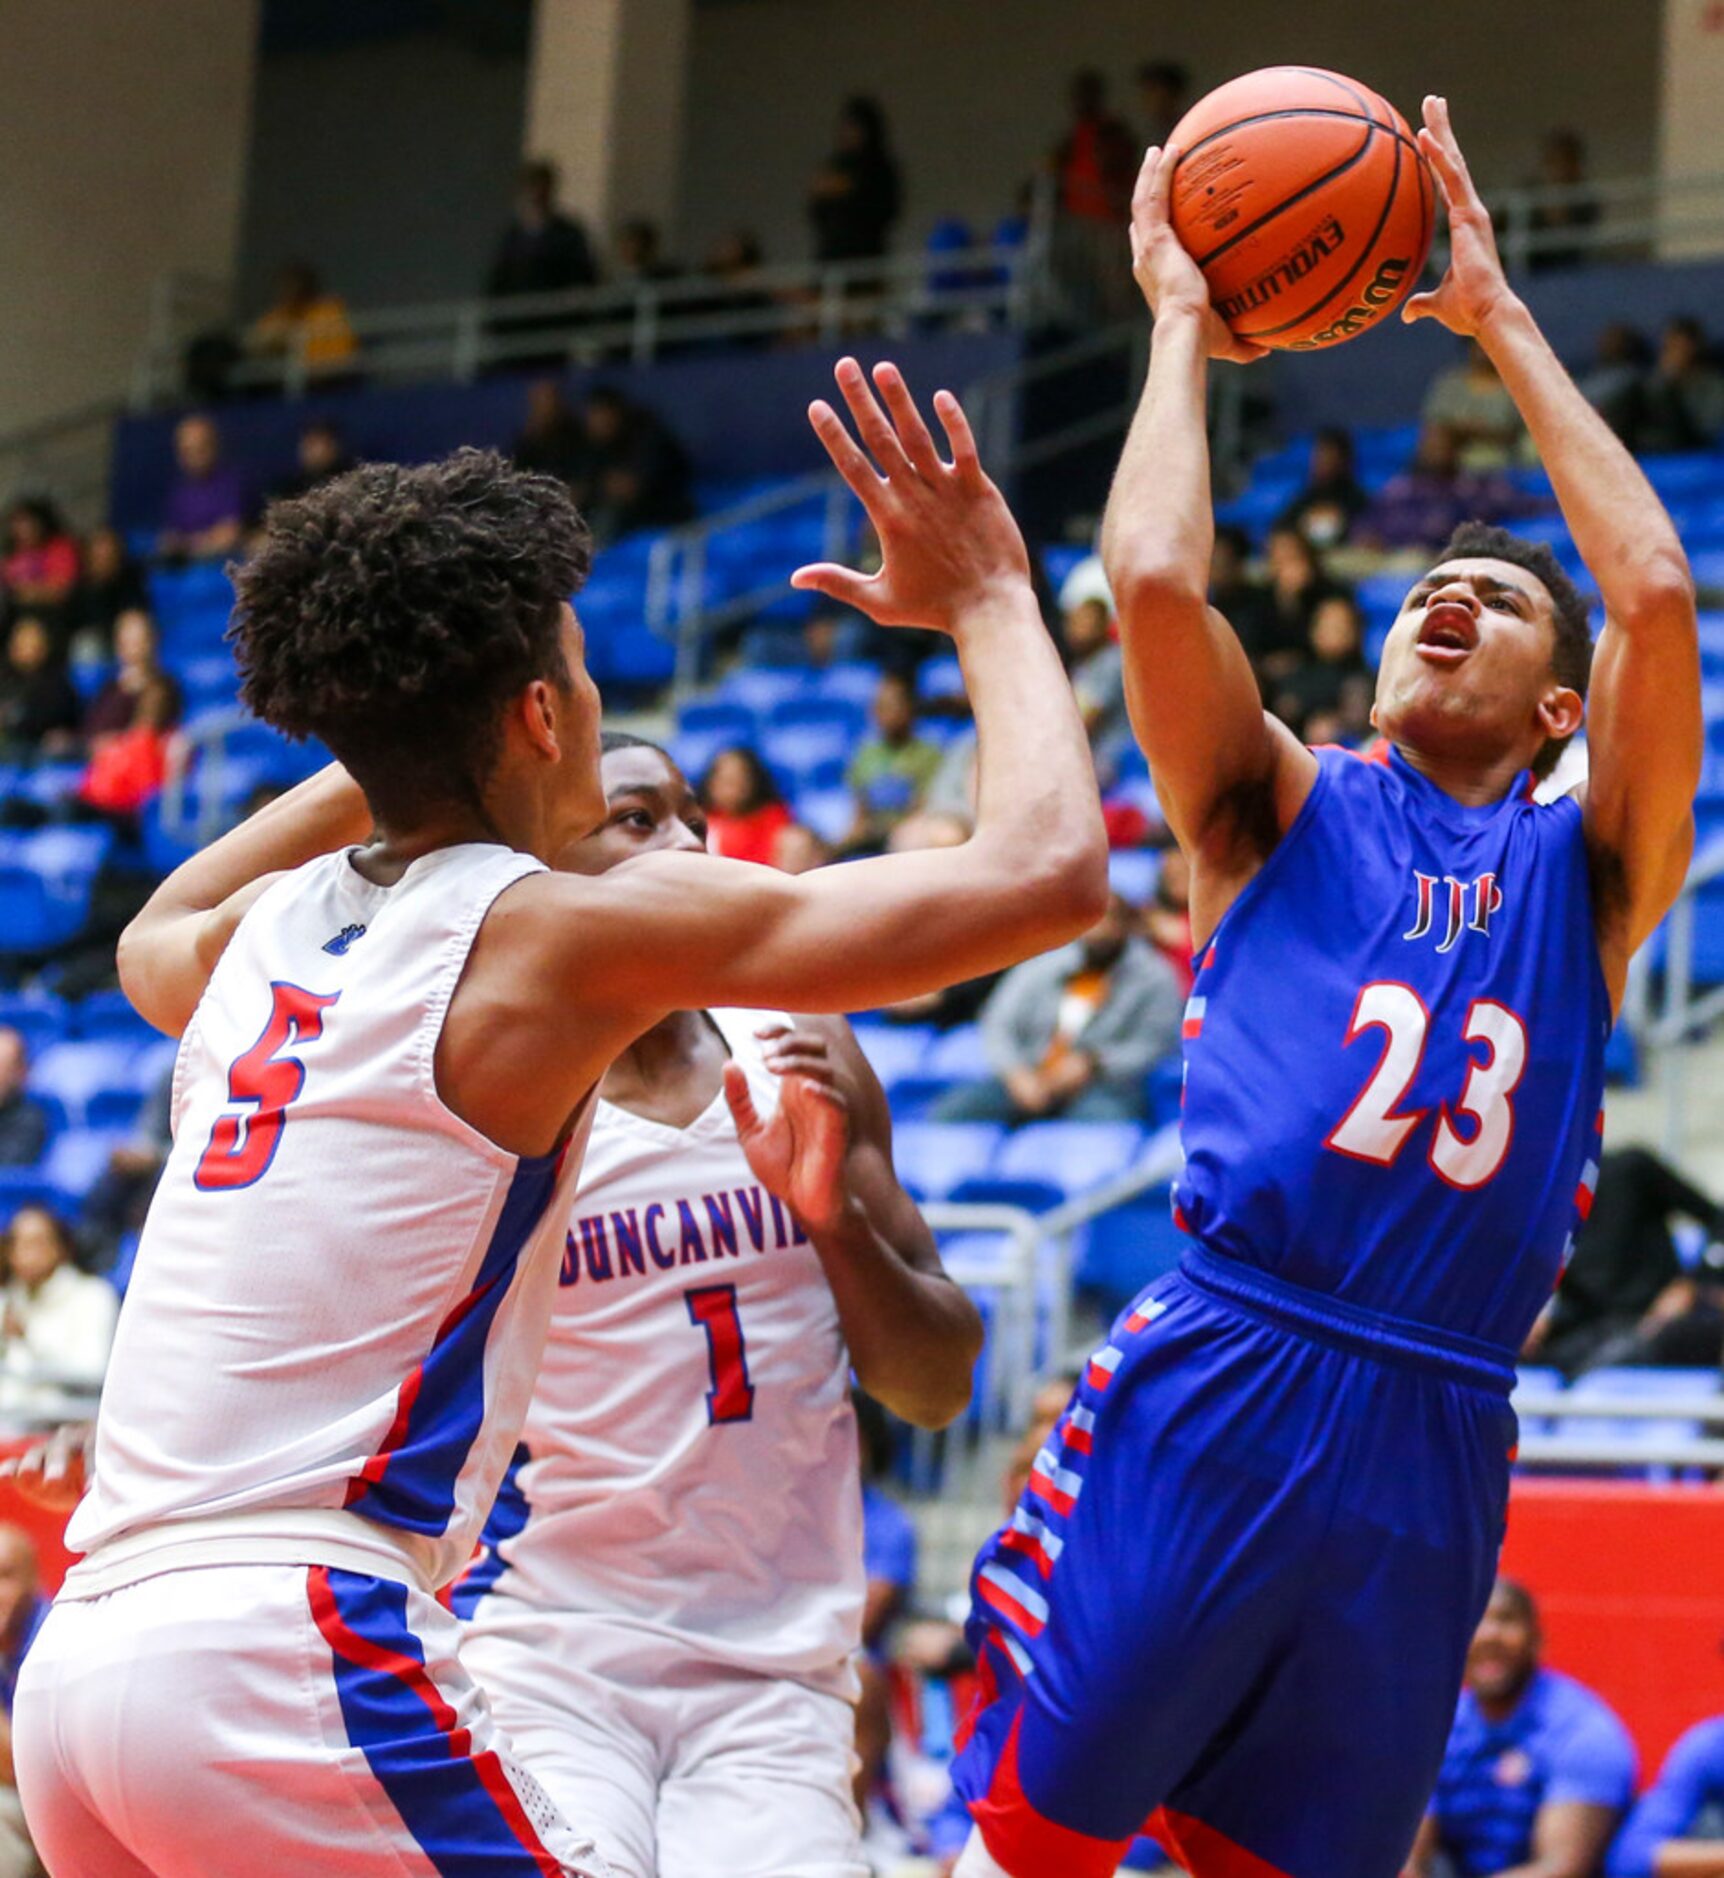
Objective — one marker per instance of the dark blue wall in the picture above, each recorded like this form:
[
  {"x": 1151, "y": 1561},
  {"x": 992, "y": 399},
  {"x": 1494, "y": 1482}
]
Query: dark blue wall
[{"x": 740, "y": 415}]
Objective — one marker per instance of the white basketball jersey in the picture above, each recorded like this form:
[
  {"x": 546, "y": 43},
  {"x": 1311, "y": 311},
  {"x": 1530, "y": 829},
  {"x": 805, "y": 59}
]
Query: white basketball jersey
[
  {"x": 331, "y": 1331},
  {"x": 689, "y": 1462}
]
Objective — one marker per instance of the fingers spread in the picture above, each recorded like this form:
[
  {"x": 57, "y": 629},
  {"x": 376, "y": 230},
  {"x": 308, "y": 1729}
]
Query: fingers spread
[
  {"x": 871, "y": 424},
  {"x": 842, "y": 584},
  {"x": 847, "y": 460},
  {"x": 912, "y": 432},
  {"x": 960, "y": 438}
]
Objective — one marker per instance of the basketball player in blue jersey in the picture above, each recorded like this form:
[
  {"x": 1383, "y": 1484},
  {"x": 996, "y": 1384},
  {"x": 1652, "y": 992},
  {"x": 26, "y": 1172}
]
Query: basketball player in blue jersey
[{"x": 1234, "y": 1603}]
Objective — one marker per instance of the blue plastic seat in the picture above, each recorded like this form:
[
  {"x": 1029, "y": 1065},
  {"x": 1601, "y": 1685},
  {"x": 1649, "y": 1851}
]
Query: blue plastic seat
[
  {"x": 940, "y": 678},
  {"x": 73, "y": 1074},
  {"x": 1121, "y": 1251},
  {"x": 829, "y": 811},
  {"x": 958, "y": 1055},
  {"x": 38, "y": 1017},
  {"x": 721, "y": 716},
  {"x": 77, "y": 1160},
  {"x": 796, "y": 751},
  {"x": 1033, "y": 1196},
  {"x": 894, "y": 1051},
  {"x": 1645, "y": 1384},
  {"x": 1073, "y": 1156},
  {"x": 757, "y": 688},
  {"x": 842, "y": 716},
  {"x": 1540, "y": 1377},
  {"x": 933, "y": 1157},
  {"x": 1132, "y": 874},
  {"x": 852, "y": 680},
  {"x": 21, "y": 1187}
]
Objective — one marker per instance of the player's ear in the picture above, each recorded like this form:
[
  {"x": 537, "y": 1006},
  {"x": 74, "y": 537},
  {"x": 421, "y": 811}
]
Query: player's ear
[
  {"x": 535, "y": 712},
  {"x": 1561, "y": 711}
]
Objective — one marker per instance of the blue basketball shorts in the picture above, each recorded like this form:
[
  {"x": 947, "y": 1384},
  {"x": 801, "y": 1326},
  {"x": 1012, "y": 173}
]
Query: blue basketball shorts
[{"x": 1232, "y": 1607}]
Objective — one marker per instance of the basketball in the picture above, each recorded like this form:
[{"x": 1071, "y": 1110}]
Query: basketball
[{"x": 1307, "y": 204}]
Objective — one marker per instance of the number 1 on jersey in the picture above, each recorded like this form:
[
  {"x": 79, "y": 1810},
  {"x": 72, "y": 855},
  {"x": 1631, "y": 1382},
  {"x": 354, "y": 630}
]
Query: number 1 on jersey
[{"x": 731, "y": 1397}]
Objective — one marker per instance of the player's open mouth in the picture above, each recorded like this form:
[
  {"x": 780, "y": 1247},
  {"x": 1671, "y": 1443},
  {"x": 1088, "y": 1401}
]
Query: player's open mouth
[{"x": 1448, "y": 634}]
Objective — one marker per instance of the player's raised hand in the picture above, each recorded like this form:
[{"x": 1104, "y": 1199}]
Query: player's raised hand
[
  {"x": 798, "y": 1152},
  {"x": 947, "y": 539},
  {"x": 1475, "y": 287},
  {"x": 1171, "y": 280}
]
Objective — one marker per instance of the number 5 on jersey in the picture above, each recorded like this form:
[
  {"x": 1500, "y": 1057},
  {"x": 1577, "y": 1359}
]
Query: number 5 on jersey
[
  {"x": 241, "y": 1147},
  {"x": 1372, "y": 1130}
]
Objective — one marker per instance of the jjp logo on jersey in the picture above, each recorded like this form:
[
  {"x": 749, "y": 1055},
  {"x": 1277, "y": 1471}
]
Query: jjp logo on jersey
[{"x": 1483, "y": 896}]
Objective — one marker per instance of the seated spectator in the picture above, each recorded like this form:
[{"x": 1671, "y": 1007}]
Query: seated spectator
[
  {"x": 1682, "y": 400},
  {"x": 1094, "y": 166},
  {"x": 1096, "y": 667},
  {"x": 1625, "y": 1297},
  {"x": 1073, "y": 1033},
  {"x": 138, "y": 675},
  {"x": 207, "y": 503},
  {"x": 1615, "y": 382},
  {"x": 39, "y": 707},
  {"x": 23, "y": 1607},
  {"x": 305, "y": 321},
  {"x": 1325, "y": 510},
  {"x": 320, "y": 455},
  {"x": 23, "y": 1125},
  {"x": 639, "y": 471},
  {"x": 1424, "y": 504},
  {"x": 1167, "y": 917},
  {"x": 1538, "y": 1770},
  {"x": 890, "y": 773},
  {"x": 111, "y": 583},
  {"x": 544, "y": 249},
  {"x": 127, "y": 768},
  {"x": 40, "y": 569},
  {"x": 121, "y": 1197},
  {"x": 1474, "y": 402},
  {"x": 553, "y": 441},
  {"x": 799, "y": 850},
  {"x": 1328, "y": 698},
  {"x": 637, "y": 254},
  {"x": 1562, "y": 165},
  {"x": 745, "y": 814},
  {"x": 856, "y": 194},
  {"x": 1298, "y": 584},
  {"x": 1677, "y": 1828},
  {"x": 58, "y": 1322},
  {"x": 1243, "y": 602},
  {"x": 733, "y": 265}
]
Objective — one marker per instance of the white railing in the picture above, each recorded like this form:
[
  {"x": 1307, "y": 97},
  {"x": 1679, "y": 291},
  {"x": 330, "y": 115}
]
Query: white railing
[
  {"x": 1685, "y": 1011},
  {"x": 1637, "y": 218}
]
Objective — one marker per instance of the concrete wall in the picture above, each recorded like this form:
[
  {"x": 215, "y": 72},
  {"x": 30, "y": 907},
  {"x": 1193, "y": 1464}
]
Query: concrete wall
[
  {"x": 124, "y": 134},
  {"x": 389, "y": 165},
  {"x": 975, "y": 88}
]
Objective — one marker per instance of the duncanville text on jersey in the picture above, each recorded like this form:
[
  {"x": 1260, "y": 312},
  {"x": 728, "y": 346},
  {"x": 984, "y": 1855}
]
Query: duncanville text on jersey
[{"x": 629, "y": 1242}]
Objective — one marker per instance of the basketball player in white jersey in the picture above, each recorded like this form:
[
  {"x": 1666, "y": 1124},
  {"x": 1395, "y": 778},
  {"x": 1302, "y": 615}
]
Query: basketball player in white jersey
[
  {"x": 669, "y": 1598},
  {"x": 389, "y": 1063}
]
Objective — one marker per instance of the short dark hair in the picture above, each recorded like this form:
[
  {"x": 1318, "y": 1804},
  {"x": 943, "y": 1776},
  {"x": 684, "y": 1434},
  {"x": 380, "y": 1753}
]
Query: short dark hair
[
  {"x": 394, "y": 610},
  {"x": 1571, "y": 654},
  {"x": 610, "y": 740},
  {"x": 1526, "y": 1606}
]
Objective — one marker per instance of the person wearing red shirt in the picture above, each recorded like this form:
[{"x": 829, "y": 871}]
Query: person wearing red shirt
[
  {"x": 40, "y": 568},
  {"x": 745, "y": 814}
]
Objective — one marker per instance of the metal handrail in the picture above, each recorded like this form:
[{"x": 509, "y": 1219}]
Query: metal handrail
[{"x": 1583, "y": 1404}]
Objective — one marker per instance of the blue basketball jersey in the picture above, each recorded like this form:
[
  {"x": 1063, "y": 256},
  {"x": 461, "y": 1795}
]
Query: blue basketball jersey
[{"x": 1395, "y": 1053}]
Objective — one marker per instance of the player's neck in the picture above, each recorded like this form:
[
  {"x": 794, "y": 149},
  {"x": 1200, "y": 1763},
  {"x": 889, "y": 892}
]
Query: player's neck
[
  {"x": 398, "y": 845},
  {"x": 658, "y": 1059},
  {"x": 1469, "y": 782},
  {"x": 1497, "y": 1709}
]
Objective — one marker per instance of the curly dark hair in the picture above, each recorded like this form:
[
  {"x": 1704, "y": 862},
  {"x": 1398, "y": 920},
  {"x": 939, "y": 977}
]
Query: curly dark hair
[
  {"x": 1571, "y": 618},
  {"x": 394, "y": 610}
]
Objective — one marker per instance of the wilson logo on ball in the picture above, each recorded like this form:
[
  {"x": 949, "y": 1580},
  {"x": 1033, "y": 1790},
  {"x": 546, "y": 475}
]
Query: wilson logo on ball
[{"x": 1385, "y": 285}]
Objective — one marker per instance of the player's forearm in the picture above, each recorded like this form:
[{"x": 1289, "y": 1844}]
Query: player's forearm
[
  {"x": 1620, "y": 527},
  {"x": 1038, "y": 812},
  {"x": 913, "y": 1336},
  {"x": 1689, "y": 1858}
]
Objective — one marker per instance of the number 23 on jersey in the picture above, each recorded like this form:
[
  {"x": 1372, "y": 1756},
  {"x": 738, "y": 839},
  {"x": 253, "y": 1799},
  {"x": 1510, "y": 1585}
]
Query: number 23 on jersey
[
  {"x": 1374, "y": 1129},
  {"x": 241, "y": 1147}
]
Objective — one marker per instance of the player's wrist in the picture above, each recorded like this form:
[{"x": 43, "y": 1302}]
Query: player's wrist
[{"x": 1506, "y": 318}]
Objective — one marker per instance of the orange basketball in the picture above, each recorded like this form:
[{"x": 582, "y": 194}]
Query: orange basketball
[{"x": 1304, "y": 199}]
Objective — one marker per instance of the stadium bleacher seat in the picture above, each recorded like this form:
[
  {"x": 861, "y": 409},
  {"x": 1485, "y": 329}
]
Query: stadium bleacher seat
[
  {"x": 47, "y": 880},
  {"x": 894, "y": 1051},
  {"x": 1132, "y": 874},
  {"x": 850, "y": 680},
  {"x": 1644, "y": 1384},
  {"x": 940, "y": 678},
  {"x": 933, "y": 1157},
  {"x": 76, "y": 1161},
  {"x": 957, "y": 1055},
  {"x": 828, "y": 811},
  {"x": 807, "y": 756},
  {"x": 1117, "y": 1254},
  {"x": 21, "y": 1187},
  {"x": 70, "y": 1077},
  {"x": 39, "y": 1018},
  {"x": 1073, "y": 1156}
]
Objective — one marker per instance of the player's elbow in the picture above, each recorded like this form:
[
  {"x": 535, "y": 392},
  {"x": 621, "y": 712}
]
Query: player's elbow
[
  {"x": 1067, "y": 885},
  {"x": 1148, "y": 586},
  {"x": 1660, "y": 593}
]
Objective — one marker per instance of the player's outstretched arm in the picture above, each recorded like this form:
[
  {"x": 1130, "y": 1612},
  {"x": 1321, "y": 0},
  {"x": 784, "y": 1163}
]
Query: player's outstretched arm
[
  {"x": 913, "y": 1335},
  {"x": 1222, "y": 769},
  {"x": 167, "y": 953},
  {"x": 1645, "y": 736},
  {"x": 1032, "y": 876}
]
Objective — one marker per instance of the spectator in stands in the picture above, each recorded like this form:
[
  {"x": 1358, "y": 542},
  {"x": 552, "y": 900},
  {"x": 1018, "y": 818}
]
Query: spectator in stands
[
  {"x": 799, "y": 850},
  {"x": 890, "y": 772},
  {"x": 1473, "y": 401},
  {"x": 1683, "y": 396},
  {"x": 1164, "y": 93},
  {"x": 857, "y": 192},
  {"x": 39, "y": 706},
  {"x": 1094, "y": 167},
  {"x": 1073, "y": 1033},
  {"x": 544, "y": 249},
  {"x": 889, "y": 1572},
  {"x": 320, "y": 455},
  {"x": 1625, "y": 1297},
  {"x": 1562, "y": 165},
  {"x": 1298, "y": 585},
  {"x": 553, "y": 441},
  {"x": 121, "y": 1197},
  {"x": 1097, "y": 671},
  {"x": 307, "y": 322},
  {"x": 1244, "y": 602},
  {"x": 733, "y": 265},
  {"x": 111, "y": 583},
  {"x": 1538, "y": 1770},
  {"x": 207, "y": 503},
  {"x": 1167, "y": 917},
  {"x": 40, "y": 569},
  {"x": 637, "y": 254},
  {"x": 23, "y": 1125},
  {"x": 1615, "y": 382},
  {"x": 745, "y": 814},
  {"x": 639, "y": 472},
  {"x": 1332, "y": 500},
  {"x": 23, "y": 1607},
  {"x": 1677, "y": 1829},
  {"x": 57, "y": 1324},
  {"x": 1425, "y": 503},
  {"x": 138, "y": 677},
  {"x": 1327, "y": 697}
]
